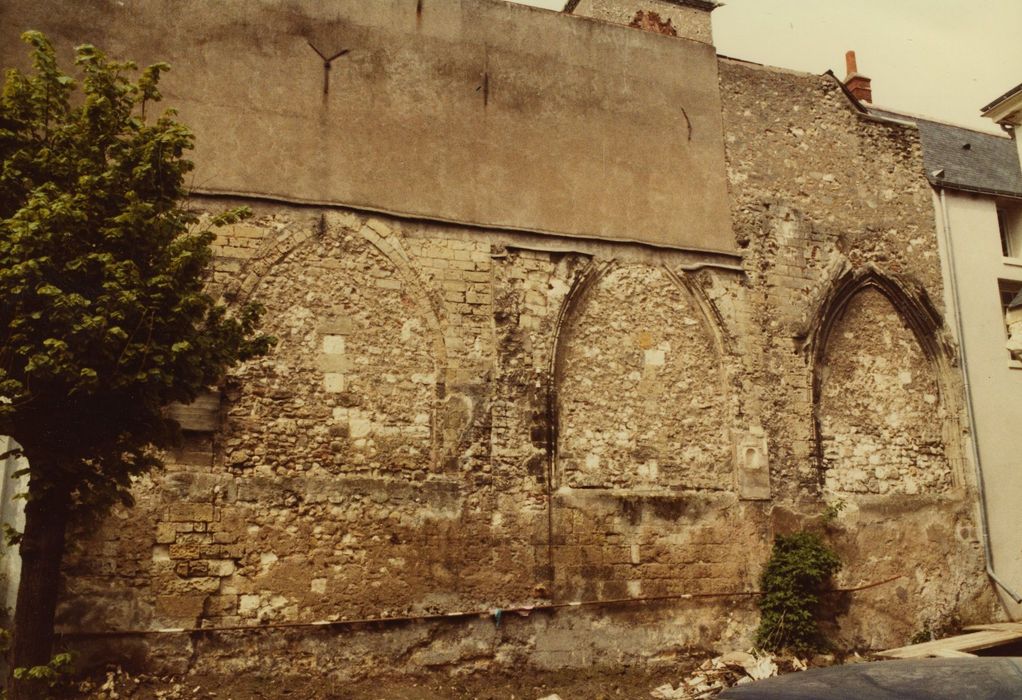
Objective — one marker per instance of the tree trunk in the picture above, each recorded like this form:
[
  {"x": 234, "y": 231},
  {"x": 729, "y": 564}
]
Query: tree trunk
[{"x": 42, "y": 548}]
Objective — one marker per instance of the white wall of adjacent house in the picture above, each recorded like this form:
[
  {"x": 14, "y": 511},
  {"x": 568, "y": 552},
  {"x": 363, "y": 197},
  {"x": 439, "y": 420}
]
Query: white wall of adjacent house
[
  {"x": 12, "y": 513},
  {"x": 986, "y": 280}
]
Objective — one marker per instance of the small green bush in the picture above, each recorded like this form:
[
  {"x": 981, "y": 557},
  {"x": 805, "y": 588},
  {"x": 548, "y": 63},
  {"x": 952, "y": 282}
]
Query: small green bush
[
  {"x": 55, "y": 676},
  {"x": 791, "y": 581}
]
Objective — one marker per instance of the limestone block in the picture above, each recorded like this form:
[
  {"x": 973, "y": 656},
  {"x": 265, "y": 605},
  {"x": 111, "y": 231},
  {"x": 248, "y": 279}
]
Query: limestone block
[
  {"x": 183, "y": 609},
  {"x": 196, "y": 512},
  {"x": 752, "y": 465},
  {"x": 235, "y": 251},
  {"x": 184, "y": 551},
  {"x": 220, "y": 605},
  {"x": 196, "y": 584},
  {"x": 248, "y": 604},
  {"x": 338, "y": 363},
  {"x": 266, "y": 560},
  {"x": 379, "y": 226},
  {"x": 166, "y": 533},
  {"x": 333, "y": 344},
  {"x": 225, "y": 537},
  {"x": 333, "y": 382},
  {"x": 337, "y": 325},
  {"x": 654, "y": 357},
  {"x": 220, "y": 567},
  {"x": 359, "y": 427},
  {"x": 241, "y": 230}
]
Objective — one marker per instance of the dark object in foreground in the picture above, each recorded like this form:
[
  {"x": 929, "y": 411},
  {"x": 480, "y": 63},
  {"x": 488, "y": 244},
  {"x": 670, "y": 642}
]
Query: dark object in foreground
[{"x": 911, "y": 679}]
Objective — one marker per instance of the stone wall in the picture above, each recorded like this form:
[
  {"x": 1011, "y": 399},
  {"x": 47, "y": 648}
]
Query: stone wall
[
  {"x": 642, "y": 402},
  {"x": 818, "y": 190},
  {"x": 879, "y": 408},
  {"x": 457, "y": 419},
  {"x": 689, "y": 20}
]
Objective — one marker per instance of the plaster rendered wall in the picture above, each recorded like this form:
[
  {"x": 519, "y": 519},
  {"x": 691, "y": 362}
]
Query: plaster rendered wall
[
  {"x": 996, "y": 381},
  {"x": 462, "y": 419},
  {"x": 477, "y": 111}
]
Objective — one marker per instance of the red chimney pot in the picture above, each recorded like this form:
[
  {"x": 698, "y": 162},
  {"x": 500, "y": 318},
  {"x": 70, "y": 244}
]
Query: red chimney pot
[
  {"x": 850, "y": 62},
  {"x": 858, "y": 85}
]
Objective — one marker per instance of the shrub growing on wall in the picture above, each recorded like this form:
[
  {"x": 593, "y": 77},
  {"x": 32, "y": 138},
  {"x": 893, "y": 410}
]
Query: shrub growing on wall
[{"x": 791, "y": 583}]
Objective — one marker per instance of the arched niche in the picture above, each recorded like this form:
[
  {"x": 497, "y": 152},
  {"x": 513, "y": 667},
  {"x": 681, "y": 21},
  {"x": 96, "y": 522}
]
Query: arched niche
[
  {"x": 354, "y": 382},
  {"x": 639, "y": 395},
  {"x": 885, "y": 407}
]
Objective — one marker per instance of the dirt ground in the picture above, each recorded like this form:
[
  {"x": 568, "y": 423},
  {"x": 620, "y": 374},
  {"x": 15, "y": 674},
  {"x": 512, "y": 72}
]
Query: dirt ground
[
  {"x": 701, "y": 677},
  {"x": 617, "y": 684}
]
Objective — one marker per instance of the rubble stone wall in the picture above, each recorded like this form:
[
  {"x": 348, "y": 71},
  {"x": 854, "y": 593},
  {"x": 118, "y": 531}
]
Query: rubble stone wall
[
  {"x": 642, "y": 398},
  {"x": 458, "y": 420},
  {"x": 663, "y": 16},
  {"x": 879, "y": 406}
]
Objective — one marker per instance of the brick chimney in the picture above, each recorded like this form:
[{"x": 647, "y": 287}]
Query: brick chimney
[{"x": 858, "y": 85}]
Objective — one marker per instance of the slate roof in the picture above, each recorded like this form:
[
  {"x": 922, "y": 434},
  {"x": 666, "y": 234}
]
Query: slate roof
[{"x": 971, "y": 160}]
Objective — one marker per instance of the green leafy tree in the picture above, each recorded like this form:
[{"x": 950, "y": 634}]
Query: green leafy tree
[{"x": 103, "y": 315}]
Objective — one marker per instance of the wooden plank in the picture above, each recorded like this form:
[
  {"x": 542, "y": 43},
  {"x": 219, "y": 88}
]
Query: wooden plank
[
  {"x": 994, "y": 626},
  {"x": 974, "y": 641},
  {"x": 952, "y": 654},
  {"x": 202, "y": 415}
]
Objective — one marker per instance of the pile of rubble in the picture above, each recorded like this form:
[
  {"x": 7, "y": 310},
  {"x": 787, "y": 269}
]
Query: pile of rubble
[{"x": 733, "y": 668}]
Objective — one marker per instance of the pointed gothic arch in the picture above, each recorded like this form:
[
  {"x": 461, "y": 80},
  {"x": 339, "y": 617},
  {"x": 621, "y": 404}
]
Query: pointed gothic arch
[
  {"x": 710, "y": 399},
  {"x": 918, "y": 314},
  {"x": 362, "y": 265},
  {"x": 380, "y": 236}
]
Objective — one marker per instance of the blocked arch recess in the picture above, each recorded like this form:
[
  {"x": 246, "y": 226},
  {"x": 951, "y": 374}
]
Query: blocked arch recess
[
  {"x": 912, "y": 304},
  {"x": 574, "y": 304},
  {"x": 388, "y": 246}
]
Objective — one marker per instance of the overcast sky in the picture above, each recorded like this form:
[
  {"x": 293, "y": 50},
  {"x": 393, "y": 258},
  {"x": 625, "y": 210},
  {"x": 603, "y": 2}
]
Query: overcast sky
[{"x": 938, "y": 58}]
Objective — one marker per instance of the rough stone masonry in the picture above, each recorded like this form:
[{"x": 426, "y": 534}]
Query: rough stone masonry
[{"x": 462, "y": 417}]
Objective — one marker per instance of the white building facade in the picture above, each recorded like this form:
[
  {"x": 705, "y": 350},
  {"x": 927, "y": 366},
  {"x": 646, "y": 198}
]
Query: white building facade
[{"x": 977, "y": 195}]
